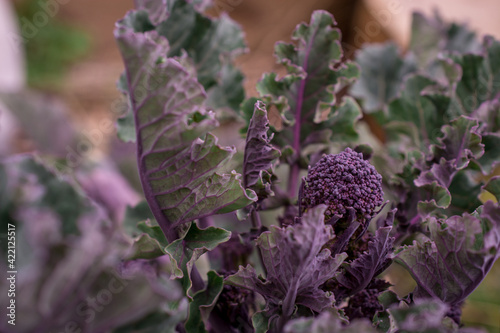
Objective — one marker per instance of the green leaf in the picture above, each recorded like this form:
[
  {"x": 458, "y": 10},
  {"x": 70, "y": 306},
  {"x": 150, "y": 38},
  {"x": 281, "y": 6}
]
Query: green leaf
[
  {"x": 185, "y": 251},
  {"x": 488, "y": 115},
  {"x": 427, "y": 114},
  {"x": 342, "y": 122},
  {"x": 431, "y": 36},
  {"x": 229, "y": 91},
  {"x": 491, "y": 156},
  {"x": 126, "y": 128},
  {"x": 493, "y": 186},
  {"x": 150, "y": 244},
  {"x": 136, "y": 214},
  {"x": 210, "y": 43},
  {"x": 425, "y": 316},
  {"x": 260, "y": 321},
  {"x": 382, "y": 72},
  {"x": 327, "y": 322},
  {"x": 203, "y": 303},
  {"x": 480, "y": 81},
  {"x": 465, "y": 192},
  {"x": 207, "y": 41},
  {"x": 179, "y": 171},
  {"x": 163, "y": 320}
]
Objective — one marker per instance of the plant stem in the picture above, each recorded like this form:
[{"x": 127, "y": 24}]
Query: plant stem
[
  {"x": 198, "y": 283},
  {"x": 293, "y": 177},
  {"x": 255, "y": 217},
  {"x": 288, "y": 305},
  {"x": 295, "y": 168},
  {"x": 257, "y": 224}
]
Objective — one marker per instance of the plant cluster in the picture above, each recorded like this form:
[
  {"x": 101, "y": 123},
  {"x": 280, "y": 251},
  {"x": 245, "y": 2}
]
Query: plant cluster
[{"x": 320, "y": 267}]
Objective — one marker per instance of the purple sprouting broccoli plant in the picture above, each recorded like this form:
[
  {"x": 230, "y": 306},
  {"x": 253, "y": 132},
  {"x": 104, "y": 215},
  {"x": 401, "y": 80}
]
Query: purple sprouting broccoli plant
[
  {"x": 322, "y": 264},
  {"x": 327, "y": 255},
  {"x": 344, "y": 181}
]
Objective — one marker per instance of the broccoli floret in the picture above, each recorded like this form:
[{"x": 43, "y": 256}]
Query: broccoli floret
[{"x": 343, "y": 181}]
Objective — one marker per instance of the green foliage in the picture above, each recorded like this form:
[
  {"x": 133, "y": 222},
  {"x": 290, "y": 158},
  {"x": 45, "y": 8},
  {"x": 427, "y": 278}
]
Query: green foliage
[
  {"x": 203, "y": 303},
  {"x": 184, "y": 251},
  {"x": 179, "y": 162},
  {"x": 306, "y": 96},
  {"x": 210, "y": 44}
]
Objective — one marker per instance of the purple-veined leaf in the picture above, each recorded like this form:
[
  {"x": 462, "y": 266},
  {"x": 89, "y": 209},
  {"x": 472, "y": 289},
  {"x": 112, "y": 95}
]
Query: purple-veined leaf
[
  {"x": 210, "y": 43},
  {"x": 306, "y": 96},
  {"x": 72, "y": 253},
  {"x": 179, "y": 171},
  {"x": 460, "y": 144},
  {"x": 355, "y": 276},
  {"x": 296, "y": 266},
  {"x": 456, "y": 257},
  {"x": 259, "y": 153},
  {"x": 157, "y": 9}
]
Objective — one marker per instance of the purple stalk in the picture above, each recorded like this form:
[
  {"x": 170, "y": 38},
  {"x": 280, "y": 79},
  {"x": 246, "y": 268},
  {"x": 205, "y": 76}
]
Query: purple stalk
[
  {"x": 257, "y": 224},
  {"x": 293, "y": 177}
]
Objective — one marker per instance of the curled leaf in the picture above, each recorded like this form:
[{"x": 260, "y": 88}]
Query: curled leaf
[
  {"x": 296, "y": 265},
  {"x": 456, "y": 257},
  {"x": 259, "y": 153},
  {"x": 179, "y": 171}
]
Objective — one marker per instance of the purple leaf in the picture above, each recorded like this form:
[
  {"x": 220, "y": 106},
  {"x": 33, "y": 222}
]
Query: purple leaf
[
  {"x": 259, "y": 154},
  {"x": 157, "y": 10},
  {"x": 456, "y": 257},
  {"x": 179, "y": 170},
  {"x": 358, "y": 274},
  {"x": 296, "y": 264},
  {"x": 461, "y": 142}
]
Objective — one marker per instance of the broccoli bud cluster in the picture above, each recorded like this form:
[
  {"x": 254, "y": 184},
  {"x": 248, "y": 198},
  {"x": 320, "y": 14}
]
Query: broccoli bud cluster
[{"x": 343, "y": 181}]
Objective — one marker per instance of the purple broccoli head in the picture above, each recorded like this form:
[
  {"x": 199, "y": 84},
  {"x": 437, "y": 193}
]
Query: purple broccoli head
[{"x": 344, "y": 181}]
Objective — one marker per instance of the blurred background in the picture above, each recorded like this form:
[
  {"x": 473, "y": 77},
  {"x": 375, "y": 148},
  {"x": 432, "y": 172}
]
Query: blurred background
[{"x": 59, "y": 65}]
